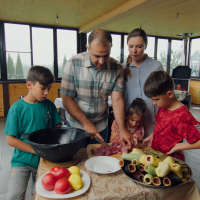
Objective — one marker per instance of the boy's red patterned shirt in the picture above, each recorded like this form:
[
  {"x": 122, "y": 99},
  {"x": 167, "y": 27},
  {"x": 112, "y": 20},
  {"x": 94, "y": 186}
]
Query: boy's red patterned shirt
[{"x": 172, "y": 127}]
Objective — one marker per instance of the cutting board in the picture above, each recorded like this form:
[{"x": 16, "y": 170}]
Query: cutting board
[{"x": 92, "y": 147}]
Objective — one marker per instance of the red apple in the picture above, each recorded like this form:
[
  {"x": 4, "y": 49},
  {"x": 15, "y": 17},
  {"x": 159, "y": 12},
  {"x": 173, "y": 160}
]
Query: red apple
[
  {"x": 54, "y": 170},
  {"x": 48, "y": 181},
  {"x": 62, "y": 186},
  {"x": 62, "y": 173}
]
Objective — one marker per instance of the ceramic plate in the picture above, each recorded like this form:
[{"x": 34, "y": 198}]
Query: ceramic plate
[
  {"x": 103, "y": 164},
  {"x": 52, "y": 195}
]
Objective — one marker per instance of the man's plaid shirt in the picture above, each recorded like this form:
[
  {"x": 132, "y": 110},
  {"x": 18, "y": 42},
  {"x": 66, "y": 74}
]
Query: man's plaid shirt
[{"x": 91, "y": 87}]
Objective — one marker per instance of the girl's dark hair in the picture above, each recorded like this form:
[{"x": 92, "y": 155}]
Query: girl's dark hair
[
  {"x": 138, "y": 107},
  {"x": 40, "y": 74},
  {"x": 134, "y": 33},
  {"x": 158, "y": 83}
]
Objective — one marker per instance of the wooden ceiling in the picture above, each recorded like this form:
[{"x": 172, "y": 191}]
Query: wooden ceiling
[{"x": 156, "y": 17}]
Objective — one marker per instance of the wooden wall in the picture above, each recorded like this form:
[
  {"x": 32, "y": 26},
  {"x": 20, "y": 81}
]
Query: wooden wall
[
  {"x": 17, "y": 89},
  {"x": 195, "y": 91},
  {"x": 1, "y": 101}
]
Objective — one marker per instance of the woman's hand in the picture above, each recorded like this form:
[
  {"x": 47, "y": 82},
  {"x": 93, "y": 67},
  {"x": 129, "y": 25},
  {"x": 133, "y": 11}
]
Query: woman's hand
[{"x": 148, "y": 141}]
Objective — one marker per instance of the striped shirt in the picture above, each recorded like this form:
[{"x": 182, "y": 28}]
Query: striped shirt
[{"x": 91, "y": 87}]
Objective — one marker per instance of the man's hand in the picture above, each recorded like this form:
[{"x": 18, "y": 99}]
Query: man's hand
[
  {"x": 148, "y": 141},
  {"x": 125, "y": 136},
  {"x": 90, "y": 128}
]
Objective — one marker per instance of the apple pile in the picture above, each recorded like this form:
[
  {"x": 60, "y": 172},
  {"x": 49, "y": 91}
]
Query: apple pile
[{"x": 58, "y": 180}]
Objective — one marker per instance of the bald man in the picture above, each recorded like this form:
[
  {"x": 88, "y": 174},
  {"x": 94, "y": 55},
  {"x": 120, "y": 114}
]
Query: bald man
[{"x": 88, "y": 79}]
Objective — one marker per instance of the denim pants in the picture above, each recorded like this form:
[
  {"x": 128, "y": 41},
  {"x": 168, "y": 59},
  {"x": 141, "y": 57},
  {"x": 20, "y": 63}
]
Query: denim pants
[
  {"x": 87, "y": 141},
  {"x": 18, "y": 182}
]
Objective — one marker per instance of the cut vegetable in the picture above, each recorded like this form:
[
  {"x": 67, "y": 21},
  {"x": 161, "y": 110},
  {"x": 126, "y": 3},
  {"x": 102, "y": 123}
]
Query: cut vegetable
[
  {"x": 156, "y": 181},
  {"x": 139, "y": 176},
  {"x": 129, "y": 156},
  {"x": 135, "y": 162},
  {"x": 171, "y": 179},
  {"x": 129, "y": 169},
  {"x": 163, "y": 169},
  {"x": 152, "y": 160},
  {"x": 143, "y": 159},
  {"x": 148, "y": 179},
  {"x": 176, "y": 168},
  {"x": 150, "y": 169}
]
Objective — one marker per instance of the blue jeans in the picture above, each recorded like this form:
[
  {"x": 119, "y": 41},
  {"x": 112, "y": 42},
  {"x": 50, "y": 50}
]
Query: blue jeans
[
  {"x": 18, "y": 182},
  {"x": 87, "y": 141}
]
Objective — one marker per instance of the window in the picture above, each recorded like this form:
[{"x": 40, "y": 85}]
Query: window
[
  {"x": 126, "y": 52},
  {"x": 162, "y": 52},
  {"x": 116, "y": 48},
  {"x": 150, "y": 47},
  {"x": 43, "y": 47},
  {"x": 195, "y": 57},
  {"x": 67, "y": 47},
  {"x": 176, "y": 54},
  {"x": 18, "y": 51}
]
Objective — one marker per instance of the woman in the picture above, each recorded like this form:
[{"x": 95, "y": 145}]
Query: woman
[{"x": 136, "y": 69}]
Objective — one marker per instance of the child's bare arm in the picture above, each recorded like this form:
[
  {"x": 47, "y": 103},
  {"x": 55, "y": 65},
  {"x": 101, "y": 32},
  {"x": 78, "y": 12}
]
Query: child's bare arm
[
  {"x": 113, "y": 136},
  {"x": 147, "y": 141},
  {"x": 18, "y": 144},
  {"x": 184, "y": 146},
  {"x": 60, "y": 124}
]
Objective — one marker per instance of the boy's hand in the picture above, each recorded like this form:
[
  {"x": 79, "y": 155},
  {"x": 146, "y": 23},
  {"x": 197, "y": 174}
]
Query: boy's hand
[
  {"x": 148, "y": 141},
  {"x": 175, "y": 149}
]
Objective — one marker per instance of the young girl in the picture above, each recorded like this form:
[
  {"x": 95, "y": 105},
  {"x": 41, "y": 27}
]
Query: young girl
[{"x": 135, "y": 117}]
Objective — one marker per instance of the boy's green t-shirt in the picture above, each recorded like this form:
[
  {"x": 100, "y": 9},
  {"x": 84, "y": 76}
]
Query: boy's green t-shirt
[{"x": 24, "y": 117}]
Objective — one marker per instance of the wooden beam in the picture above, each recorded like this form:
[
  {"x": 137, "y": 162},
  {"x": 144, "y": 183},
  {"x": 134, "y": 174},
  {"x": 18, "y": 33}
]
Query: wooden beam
[{"x": 111, "y": 16}]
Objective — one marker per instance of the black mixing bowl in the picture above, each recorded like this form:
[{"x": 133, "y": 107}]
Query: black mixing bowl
[{"x": 57, "y": 144}]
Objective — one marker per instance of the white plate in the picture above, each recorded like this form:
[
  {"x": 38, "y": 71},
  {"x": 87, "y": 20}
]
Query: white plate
[
  {"x": 103, "y": 164},
  {"x": 52, "y": 195}
]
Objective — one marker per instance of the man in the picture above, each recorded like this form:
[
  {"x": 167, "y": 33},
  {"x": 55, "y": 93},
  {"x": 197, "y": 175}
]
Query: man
[{"x": 88, "y": 79}]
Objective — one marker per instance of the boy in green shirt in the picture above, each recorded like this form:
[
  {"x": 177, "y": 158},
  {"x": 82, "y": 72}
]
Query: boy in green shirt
[{"x": 27, "y": 115}]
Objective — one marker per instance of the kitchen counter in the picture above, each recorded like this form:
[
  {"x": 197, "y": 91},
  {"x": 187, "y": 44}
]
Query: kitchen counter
[{"x": 118, "y": 186}]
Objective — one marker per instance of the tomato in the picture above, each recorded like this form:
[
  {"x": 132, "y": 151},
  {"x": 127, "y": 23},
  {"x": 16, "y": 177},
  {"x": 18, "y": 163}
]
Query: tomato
[
  {"x": 54, "y": 170},
  {"x": 62, "y": 186},
  {"x": 62, "y": 173},
  {"x": 48, "y": 181}
]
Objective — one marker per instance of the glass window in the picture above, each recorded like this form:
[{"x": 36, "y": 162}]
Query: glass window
[
  {"x": 162, "y": 52},
  {"x": 195, "y": 57},
  {"x": 176, "y": 54},
  {"x": 126, "y": 52},
  {"x": 43, "y": 47},
  {"x": 18, "y": 53},
  {"x": 67, "y": 47},
  {"x": 150, "y": 47},
  {"x": 116, "y": 47}
]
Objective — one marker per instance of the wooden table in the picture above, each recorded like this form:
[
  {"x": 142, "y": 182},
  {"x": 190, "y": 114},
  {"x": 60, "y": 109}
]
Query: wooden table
[{"x": 118, "y": 186}]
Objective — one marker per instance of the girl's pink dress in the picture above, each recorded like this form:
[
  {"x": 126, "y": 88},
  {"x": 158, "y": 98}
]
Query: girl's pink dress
[{"x": 137, "y": 131}]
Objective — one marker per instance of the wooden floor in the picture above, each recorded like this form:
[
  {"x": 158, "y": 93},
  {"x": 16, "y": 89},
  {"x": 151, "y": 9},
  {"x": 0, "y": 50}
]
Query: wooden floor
[{"x": 192, "y": 158}]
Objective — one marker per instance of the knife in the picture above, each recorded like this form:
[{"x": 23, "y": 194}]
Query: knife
[{"x": 100, "y": 141}]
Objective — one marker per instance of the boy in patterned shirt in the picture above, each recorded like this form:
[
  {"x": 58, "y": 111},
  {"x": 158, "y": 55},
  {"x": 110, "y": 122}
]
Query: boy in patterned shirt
[{"x": 173, "y": 120}]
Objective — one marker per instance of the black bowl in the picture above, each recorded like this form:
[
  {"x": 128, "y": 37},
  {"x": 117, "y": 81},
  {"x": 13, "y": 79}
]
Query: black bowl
[{"x": 57, "y": 144}]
